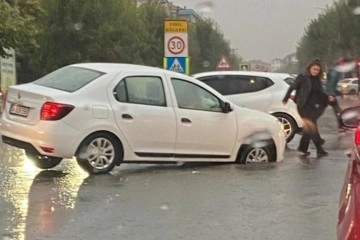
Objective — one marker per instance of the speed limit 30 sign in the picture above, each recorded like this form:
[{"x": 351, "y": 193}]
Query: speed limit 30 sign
[
  {"x": 176, "y": 45},
  {"x": 176, "y": 38}
]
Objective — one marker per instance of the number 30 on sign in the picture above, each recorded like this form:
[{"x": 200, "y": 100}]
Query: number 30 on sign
[{"x": 176, "y": 45}]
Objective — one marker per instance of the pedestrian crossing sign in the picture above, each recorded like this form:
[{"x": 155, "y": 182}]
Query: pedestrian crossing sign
[{"x": 177, "y": 64}]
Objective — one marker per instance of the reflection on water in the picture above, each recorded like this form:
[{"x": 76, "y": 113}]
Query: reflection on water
[
  {"x": 32, "y": 199},
  {"x": 16, "y": 177}
]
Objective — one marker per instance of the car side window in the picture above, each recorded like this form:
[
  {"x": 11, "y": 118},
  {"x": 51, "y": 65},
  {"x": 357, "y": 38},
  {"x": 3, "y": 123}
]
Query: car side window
[
  {"x": 192, "y": 96},
  {"x": 146, "y": 90},
  {"x": 289, "y": 80},
  {"x": 228, "y": 85}
]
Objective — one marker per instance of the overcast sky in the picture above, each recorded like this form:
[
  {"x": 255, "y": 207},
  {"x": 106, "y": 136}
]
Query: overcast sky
[{"x": 262, "y": 29}]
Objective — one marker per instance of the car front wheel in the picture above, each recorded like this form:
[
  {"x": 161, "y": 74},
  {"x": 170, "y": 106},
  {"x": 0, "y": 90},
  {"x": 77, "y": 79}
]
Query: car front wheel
[
  {"x": 252, "y": 154},
  {"x": 99, "y": 153}
]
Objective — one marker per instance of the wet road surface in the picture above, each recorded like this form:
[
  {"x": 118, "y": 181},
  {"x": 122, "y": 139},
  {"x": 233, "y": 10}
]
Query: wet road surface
[{"x": 296, "y": 199}]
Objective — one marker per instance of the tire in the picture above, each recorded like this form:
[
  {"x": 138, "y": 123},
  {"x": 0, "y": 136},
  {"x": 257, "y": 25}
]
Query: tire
[
  {"x": 352, "y": 92},
  {"x": 289, "y": 125},
  {"x": 252, "y": 154},
  {"x": 42, "y": 161},
  {"x": 99, "y": 153}
]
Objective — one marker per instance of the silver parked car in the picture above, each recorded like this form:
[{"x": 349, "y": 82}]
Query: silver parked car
[{"x": 348, "y": 86}]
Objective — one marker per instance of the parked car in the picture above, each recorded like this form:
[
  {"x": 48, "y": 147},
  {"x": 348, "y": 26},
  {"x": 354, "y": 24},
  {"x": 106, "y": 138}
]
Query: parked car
[
  {"x": 105, "y": 114},
  {"x": 348, "y": 227},
  {"x": 348, "y": 86},
  {"x": 262, "y": 91}
]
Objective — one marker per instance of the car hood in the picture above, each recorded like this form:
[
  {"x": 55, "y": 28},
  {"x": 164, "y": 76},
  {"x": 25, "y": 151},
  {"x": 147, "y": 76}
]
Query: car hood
[{"x": 244, "y": 112}]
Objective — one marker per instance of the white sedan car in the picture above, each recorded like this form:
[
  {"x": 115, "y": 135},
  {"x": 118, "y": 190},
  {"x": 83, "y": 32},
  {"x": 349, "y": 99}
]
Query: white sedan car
[
  {"x": 105, "y": 114},
  {"x": 261, "y": 91}
]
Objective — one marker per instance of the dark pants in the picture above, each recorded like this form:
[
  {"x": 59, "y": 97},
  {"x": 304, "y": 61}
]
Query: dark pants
[{"x": 310, "y": 129}]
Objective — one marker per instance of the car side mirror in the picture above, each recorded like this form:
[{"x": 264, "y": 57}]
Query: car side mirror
[
  {"x": 350, "y": 117},
  {"x": 226, "y": 107}
]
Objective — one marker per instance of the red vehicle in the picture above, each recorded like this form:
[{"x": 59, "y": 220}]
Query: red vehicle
[{"x": 349, "y": 206}]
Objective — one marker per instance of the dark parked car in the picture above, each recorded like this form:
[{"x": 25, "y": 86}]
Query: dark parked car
[{"x": 349, "y": 206}]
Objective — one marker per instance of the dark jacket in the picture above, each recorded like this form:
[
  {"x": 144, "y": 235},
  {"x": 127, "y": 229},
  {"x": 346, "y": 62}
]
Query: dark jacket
[{"x": 303, "y": 86}]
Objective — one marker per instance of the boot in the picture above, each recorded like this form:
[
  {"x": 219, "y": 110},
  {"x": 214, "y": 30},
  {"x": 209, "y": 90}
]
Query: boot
[{"x": 321, "y": 152}]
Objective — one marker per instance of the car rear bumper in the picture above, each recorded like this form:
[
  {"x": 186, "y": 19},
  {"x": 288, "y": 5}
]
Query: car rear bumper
[{"x": 30, "y": 137}]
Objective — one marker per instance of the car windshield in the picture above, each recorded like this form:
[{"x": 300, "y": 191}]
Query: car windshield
[{"x": 69, "y": 78}]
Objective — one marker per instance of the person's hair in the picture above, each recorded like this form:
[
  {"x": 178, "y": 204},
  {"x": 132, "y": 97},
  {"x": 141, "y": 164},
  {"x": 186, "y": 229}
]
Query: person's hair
[{"x": 315, "y": 62}]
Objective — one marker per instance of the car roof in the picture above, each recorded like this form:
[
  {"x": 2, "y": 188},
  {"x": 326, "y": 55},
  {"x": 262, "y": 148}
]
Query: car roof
[
  {"x": 247, "y": 73},
  {"x": 117, "y": 67},
  {"x": 349, "y": 79},
  {"x": 272, "y": 75}
]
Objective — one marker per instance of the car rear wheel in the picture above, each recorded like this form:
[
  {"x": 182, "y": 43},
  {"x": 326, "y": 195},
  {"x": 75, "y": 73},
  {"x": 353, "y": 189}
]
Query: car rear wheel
[
  {"x": 41, "y": 161},
  {"x": 289, "y": 125},
  {"x": 99, "y": 153},
  {"x": 252, "y": 154}
]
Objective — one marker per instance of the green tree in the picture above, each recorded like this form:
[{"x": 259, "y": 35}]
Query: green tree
[
  {"x": 113, "y": 31},
  {"x": 333, "y": 34},
  {"x": 84, "y": 31},
  {"x": 208, "y": 44},
  {"x": 17, "y": 28},
  {"x": 151, "y": 44}
]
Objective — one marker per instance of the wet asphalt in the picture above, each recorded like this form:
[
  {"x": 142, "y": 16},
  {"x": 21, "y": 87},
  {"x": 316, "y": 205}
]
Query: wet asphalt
[{"x": 295, "y": 199}]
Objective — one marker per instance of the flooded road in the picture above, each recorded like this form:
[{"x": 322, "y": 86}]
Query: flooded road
[{"x": 295, "y": 199}]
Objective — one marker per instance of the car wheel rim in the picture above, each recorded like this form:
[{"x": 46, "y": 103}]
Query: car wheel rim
[
  {"x": 286, "y": 126},
  {"x": 257, "y": 155},
  {"x": 101, "y": 153}
]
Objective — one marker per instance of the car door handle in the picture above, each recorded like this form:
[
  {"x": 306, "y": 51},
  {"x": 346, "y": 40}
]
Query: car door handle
[
  {"x": 185, "y": 120},
  {"x": 126, "y": 116}
]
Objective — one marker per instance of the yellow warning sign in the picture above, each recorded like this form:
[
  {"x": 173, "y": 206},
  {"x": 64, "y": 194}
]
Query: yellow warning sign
[{"x": 176, "y": 26}]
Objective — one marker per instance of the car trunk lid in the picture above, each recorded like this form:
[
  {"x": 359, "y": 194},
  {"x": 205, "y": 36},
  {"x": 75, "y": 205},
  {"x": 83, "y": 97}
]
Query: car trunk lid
[{"x": 24, "y": 104}]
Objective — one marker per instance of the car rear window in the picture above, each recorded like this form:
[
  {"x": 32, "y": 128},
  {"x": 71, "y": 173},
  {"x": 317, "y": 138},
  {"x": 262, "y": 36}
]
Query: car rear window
[{"x": 68, "y": 78}]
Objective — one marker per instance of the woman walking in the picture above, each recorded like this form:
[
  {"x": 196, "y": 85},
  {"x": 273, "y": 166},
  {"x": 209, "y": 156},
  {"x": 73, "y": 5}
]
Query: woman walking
[{"x": 311, "y": 102}]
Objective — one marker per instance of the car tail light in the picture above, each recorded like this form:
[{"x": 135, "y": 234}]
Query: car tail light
[
  {"x": 54, "y": 111},
  {"x": 357, "y": 136}
]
